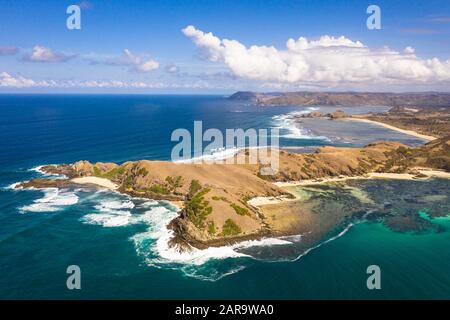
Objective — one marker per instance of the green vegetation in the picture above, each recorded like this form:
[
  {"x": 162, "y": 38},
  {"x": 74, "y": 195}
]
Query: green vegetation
[
  {"x": 164, "y": 188},
  {"x": 196, "y": 208},
  {"x": 158, "y": 188},
  {"x": 128, "y": 183},
  {"x": 97, "y": 172},
  {"x": 194, "y": 187},
  {"x": 398, "y": 159},
  {"x": 216, "y": 198},
  {"x": 230, "y": 228},
  {"x": 142, "y": 172},
  {"x": 112, "y": 174},
  {"x": 211, "y": 228},
  {"x": 173, "y": 183},
  {"x": 239, "y": 210},
  {"x": 265, "y": 176}
]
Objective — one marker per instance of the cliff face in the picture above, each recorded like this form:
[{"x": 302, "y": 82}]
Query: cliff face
[
  {"x": 346, "y": 99},
  {"x": 214, "y": 197}
]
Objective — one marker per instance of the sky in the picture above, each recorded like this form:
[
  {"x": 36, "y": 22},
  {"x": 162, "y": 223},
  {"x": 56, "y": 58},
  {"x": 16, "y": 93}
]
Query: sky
[{"x": 222, "y": 46}]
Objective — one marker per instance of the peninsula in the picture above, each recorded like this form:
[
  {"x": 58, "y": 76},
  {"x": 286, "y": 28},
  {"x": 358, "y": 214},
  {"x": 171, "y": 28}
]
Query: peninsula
[{"x": 223, "y": 203}]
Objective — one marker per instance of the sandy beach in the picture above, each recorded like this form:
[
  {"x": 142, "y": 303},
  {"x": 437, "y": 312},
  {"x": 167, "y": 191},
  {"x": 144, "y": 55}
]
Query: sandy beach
[
  {"x": 372, "y": 175},
  {"x": 97, "y": 181},
  {"x": 261, "y": 201},
  {"x": 409, "y": 132}
]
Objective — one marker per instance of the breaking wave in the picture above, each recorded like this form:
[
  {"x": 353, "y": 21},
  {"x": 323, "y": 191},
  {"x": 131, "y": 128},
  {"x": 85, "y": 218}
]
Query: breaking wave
[
  {"x": 214, "y": 155},
  {"x": 38, "y": 169},
  {"x": 111, "y": 213},
  {"x": 13, "y": 186},
  {"x": 54, "y": 199},
  {"x": 110, "y": 209},
  {"x": 152, "y": 245},
  {"x": 291, "y": 129}
]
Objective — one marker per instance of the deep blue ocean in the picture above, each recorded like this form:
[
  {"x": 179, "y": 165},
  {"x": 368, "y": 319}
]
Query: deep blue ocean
[{"x": 118, "y": 242}]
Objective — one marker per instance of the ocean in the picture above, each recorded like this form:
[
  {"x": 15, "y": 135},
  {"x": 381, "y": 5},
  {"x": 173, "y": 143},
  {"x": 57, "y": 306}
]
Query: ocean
[{"x": 120, "y": 243}]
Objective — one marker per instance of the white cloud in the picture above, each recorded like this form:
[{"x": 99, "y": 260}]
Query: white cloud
[
  {"x": 139, "y": 64},
  {"x": 212, "y": 46},
  {"x": 324, "y": 41},
  {"x": 135, "y": 63},
  {"x": 409, "y": 50},
  {"x": 7, "y": 80},
  {"x": 17, "y": 81},
  {"x": 327, "y": 61},
  {"x": 44, "y": 54}
]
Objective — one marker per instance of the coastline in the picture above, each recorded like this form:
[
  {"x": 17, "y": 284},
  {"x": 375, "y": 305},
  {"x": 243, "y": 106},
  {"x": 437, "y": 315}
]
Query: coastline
[
  {"x": 388, "y": 126},
  {"x": 216, "y": 208},
  {"x": 108, "y": 184},
  {"x": 372, "y": 175},
  {"x": 261, "y": 201}
]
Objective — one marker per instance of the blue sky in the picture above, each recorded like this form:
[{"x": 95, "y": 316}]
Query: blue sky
[{"x": 93, "y": 60}]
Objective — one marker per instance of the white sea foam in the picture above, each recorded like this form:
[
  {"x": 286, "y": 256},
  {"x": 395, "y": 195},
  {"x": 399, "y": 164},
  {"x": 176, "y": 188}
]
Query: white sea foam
[
  {"x": 147, "y": 204},
  {"x": 161, "y": 253},
  {"x": 54, "y": 199},
  {"x": 289, "y": 123},
  {"x": 112, "y": 213},
  {"x": 39, "y": 170},
  {"x": 262, "y": 243},
  {"x": 108, "y": 220},
  {"x": 293, "y": 238},
  {"x": 13, "y": 186},
  {"x": 153, "y": 244},
  {"x": 216, "y": 155},
  {"x": 211, "y": 274},
  {"x": 340, "y": 234},
  {"x": 114, "y": 205},
  {"x": 195, "y": 256}
]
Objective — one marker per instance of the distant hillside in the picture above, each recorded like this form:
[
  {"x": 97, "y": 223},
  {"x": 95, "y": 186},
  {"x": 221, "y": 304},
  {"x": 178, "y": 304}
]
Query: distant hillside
[
  {"x": 244, "y": 95},
  {"x": 425, "y": 99},
  {"x": 429, "y": 120}
]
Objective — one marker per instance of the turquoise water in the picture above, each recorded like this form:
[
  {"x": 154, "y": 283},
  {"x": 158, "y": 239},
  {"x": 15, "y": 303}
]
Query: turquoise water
[{"x": 116, "y": 240}]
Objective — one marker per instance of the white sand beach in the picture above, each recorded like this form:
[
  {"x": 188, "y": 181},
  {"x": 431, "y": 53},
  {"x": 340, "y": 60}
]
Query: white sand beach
[
  {"x": 97, "y": 181},
  {"x": 372, "y": 175},
  {"x": 261, "y": 201},
  {"x": 409, "y": 132}
]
